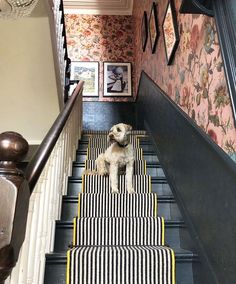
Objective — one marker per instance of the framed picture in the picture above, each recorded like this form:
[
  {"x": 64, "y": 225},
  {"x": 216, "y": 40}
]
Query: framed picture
[
  {"x": 170, "y": 31},
  {"x": 144, "y": 30},
  {"x": 86, "y": 71},
  {"x": 153, "y": 27},
  {"x": 117, "y": 79}
]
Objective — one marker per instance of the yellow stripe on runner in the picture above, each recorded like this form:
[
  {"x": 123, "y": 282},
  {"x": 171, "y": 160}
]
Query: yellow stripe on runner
[
  {"x": 150, "y": 184},
  {"x": 79, "y": 205},
  {"x": 74, "y": 231},
  {"x": 155, "y": 209},
  {"x": 163, "y": 231},
  {"x": 173, "y": 267},
  {"x": 68, "y": 268},
  {"x": 83, "y": 183},
  {"x": 87, "y": 154}
]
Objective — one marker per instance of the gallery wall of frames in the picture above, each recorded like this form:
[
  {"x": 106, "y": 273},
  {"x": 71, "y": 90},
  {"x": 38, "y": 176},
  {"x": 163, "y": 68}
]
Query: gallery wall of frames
[
  {"x": 101, "y": 50},
  {"x": 183, "y": 57}
]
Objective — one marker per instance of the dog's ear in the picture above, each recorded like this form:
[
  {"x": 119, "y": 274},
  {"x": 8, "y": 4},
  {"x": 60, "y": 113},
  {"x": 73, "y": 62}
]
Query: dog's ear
[{"x": 128, "y": 127}]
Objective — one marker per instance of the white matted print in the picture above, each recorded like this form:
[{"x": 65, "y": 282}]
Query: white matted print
[
  {"x": 117, "y": 79},
  {"x": 87, "y": 72}
]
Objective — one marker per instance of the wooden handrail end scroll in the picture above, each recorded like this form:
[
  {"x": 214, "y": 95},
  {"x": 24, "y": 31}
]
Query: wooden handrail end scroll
[{"x": 14, "y": 200}]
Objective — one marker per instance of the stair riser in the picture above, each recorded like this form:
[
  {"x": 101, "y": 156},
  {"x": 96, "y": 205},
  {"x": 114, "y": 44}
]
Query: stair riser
[
  {"x": 142, "y": 139},
  {"x": 168, "y": 210},
  {"x": 77, "y": 171},
  {"x": 145, "y": 147},
  {"x": 75, "y": 187},
  {"x": 81, "y": 157},
  {"x": 56, "y": 273},
  {"x": 175, "y": 237}
]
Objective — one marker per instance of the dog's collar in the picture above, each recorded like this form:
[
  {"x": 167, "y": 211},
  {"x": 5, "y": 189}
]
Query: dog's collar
[{"x": 122, "y": 146}]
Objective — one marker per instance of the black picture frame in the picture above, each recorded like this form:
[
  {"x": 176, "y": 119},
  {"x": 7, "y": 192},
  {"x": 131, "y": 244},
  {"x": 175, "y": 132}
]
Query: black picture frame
[
  {"x": 225, "y": 19},
  {"x": 117, "y": 78},
  {"x": 144, "y": 30},
  {"x": 87, "y": 71},
  {"x": 153, "y": 27},
  {"x": 170, "y": 32}
]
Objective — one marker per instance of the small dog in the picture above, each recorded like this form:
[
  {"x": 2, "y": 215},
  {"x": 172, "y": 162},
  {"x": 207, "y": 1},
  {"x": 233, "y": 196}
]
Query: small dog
[{"x": 119, "y": 154}]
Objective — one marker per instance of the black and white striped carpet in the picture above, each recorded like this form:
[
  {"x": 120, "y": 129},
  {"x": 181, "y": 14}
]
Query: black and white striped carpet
[{"x": 118, "y": 238}]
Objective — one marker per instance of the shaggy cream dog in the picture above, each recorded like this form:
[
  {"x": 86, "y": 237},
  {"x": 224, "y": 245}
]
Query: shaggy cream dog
[{"x": 119, "y": 155}]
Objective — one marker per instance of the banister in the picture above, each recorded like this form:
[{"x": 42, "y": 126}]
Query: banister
[
  {"x": 17, "y": 187},
  {"x": 40, "y": 158},
  {"x": 14, "y": 200}
]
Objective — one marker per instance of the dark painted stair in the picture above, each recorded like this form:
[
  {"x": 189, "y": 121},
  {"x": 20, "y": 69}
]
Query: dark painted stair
[{"x": 176, "y": 232}]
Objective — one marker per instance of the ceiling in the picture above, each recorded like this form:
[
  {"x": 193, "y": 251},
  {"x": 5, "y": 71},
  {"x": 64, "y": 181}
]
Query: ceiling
[{"x": 98, "y": 7}]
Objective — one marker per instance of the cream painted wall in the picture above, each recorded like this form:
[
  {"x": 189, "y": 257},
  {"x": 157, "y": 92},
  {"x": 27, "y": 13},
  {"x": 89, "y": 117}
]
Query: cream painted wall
[{"x": 28, "y": 93}]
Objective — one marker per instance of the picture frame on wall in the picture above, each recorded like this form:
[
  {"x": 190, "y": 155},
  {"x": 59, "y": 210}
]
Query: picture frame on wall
[
  {"x": 170, "y": 32},
  {"x": 153, "y": 27},
  {"x": 87, "y": 71},
  {"x": 117, "y": 79},
  {"x": 144, "y": 30}
]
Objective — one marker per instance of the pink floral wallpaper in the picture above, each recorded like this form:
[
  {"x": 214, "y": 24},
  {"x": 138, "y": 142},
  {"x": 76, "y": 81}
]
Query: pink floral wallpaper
[
  {"x": 195, "y": 80},
  {"x": 100, "y": 38}
]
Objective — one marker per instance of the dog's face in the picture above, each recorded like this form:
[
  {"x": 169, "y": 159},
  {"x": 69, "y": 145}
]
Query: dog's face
[{"x": 120, "y": 133}]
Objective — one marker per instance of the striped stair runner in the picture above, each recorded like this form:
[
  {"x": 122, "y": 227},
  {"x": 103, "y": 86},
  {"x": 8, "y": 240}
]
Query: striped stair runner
[
  {"x": 101, "y": 184},
  {"x": 98, "y": 133},
  {"x": 106, "y": 231},
  {"x": 101, "y": 142},
  {"x": 140, "y": 167},
  {"x": 118, "y": 238}
]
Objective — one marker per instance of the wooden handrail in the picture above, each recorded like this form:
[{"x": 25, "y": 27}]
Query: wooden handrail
[{"x": 40, "y": 158}]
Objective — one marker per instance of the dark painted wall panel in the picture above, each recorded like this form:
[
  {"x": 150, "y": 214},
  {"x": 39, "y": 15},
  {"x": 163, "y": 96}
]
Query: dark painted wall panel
[
  {"x": 202, "y": 176},
  {"x": 102, "y": 115}
]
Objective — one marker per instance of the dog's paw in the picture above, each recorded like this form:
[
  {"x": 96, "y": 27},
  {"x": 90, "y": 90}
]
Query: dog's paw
[
  {"x": 130, "y": 190},
  {"x": 115, "y": 190}
]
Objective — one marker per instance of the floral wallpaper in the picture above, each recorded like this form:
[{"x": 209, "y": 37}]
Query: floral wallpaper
[
  {"x": 196, "y": 79},
  {"x": 100, "y": 38}
]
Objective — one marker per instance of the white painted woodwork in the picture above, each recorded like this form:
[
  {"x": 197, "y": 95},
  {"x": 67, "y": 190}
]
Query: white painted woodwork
[
  {"x": 45, "y": 203},
  {"x": 99, "y": 7}
]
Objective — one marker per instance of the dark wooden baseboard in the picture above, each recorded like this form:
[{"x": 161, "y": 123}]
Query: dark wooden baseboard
[
  {"x": 202, "y": 177},
  {"x": 102, "y": 115}
]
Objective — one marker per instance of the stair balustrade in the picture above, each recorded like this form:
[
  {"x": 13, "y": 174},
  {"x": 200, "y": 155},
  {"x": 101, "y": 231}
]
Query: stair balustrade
[{"x": 40, "y": 189}]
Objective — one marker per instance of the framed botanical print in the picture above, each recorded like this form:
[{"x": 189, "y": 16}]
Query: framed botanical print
[{"x": 170, "y": 32}]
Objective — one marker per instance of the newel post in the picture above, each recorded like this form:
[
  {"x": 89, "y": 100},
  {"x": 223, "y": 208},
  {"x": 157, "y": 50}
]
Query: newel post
[{"x": 14, "y": 200}]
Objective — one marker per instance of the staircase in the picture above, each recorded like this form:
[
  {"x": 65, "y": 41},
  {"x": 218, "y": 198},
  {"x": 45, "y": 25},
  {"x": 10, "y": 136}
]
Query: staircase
[{"x": 124, "y": 228}]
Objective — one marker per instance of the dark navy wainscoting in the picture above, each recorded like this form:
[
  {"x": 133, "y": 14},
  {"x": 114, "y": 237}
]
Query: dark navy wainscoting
[
  {"x": 202, "y": 177},
  {"x": 102, "y": 115}
]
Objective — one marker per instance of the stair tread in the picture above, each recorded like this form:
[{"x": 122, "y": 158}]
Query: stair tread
[
  {"x": 148, "y": 163},
  {"x": 168, "y": 223},
  {"x": 160, "y": 198},
  {"x": 84, "y": 151},
  {"x": 153, "y": 179},
  {"x": 179, "y": 254}
]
